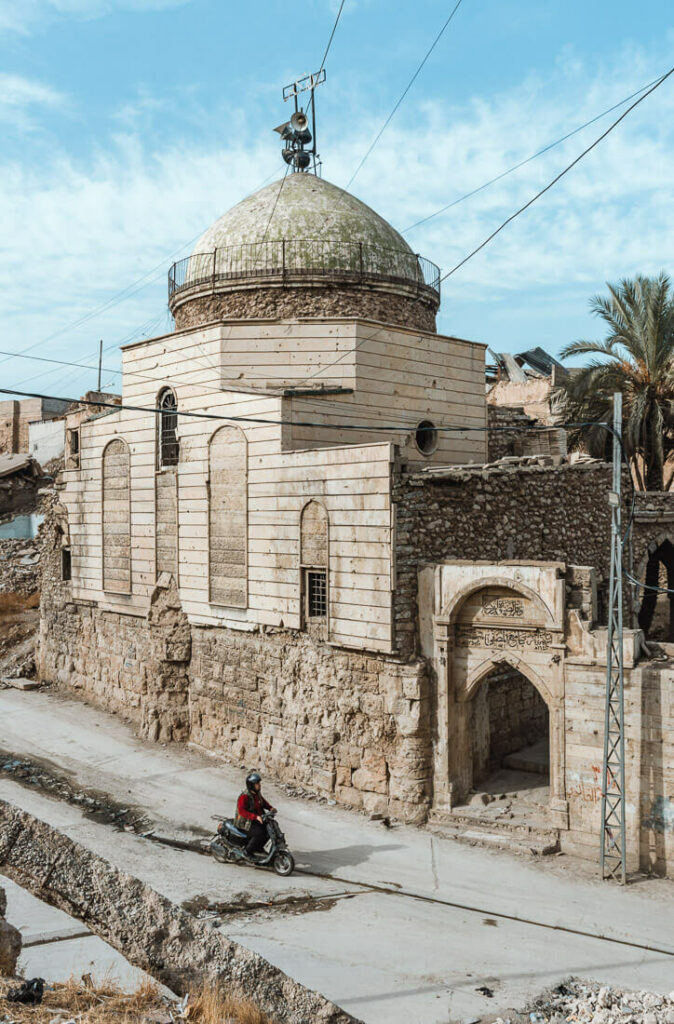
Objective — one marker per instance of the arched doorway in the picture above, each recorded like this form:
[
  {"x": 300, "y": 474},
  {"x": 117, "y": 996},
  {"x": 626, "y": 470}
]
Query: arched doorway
[
  {"x": 510, "y": 748},
  {"x": 656, "y": 614},
  {"x": 499, "y": 652}
]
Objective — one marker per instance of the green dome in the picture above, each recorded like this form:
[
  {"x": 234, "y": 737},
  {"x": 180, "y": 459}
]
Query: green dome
[{"x": 301, "y": 206}]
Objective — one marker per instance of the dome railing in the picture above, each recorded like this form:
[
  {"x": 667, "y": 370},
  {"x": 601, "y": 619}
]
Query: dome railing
[{"x": 293, "y": 258}]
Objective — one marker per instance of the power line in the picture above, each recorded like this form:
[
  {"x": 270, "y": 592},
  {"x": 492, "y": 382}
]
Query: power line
[
  {"x": 404, "y": 93},
  {"x": 528, "y": 160},
  {"x": 332, "y": 36},
  {"x": 125, "y": 293},
  {"x": 554, "y": 181},
  {"x": 266, "y": 421}
]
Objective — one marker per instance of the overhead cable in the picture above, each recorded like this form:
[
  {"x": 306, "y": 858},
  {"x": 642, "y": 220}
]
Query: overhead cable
[
  {"x": 534, "y": 156},
  {"x": 561, "y": 174},
  {"x": 404, "y": 94}
]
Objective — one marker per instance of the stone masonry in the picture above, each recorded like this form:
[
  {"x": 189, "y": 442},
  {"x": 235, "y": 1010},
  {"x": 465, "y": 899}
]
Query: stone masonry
[{"x": 327, "y": 300}]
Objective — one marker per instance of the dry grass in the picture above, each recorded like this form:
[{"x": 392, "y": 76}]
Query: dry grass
[{"x": 105, "y": 1003}]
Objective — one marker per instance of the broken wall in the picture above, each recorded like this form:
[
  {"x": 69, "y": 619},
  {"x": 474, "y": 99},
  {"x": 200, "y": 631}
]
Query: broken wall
[
  {"x": 341, "y": 723},
  {"x": 145, "y": 927}
]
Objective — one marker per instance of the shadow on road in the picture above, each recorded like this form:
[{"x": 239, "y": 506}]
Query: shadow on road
[{"x": 343, "y": 857}]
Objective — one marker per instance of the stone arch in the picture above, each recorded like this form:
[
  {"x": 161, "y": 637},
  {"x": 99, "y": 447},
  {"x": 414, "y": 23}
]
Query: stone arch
[
  {"x": 116, "y": 517},
  {"x": 228, "y": 517},
  {"x": 470, "y": 646},
  {"x": 479, "y": 674},
  {"x": 660, "y": 554},
  {"x": 451, "y": 610}
]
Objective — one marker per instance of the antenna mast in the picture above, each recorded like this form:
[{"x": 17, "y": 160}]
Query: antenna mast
[{"x": 295, "y": 133}]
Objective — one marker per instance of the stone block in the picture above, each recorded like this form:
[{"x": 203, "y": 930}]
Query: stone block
[
  {"x": 369, "y": 780},
  {"x": 343, "y": 775},
  {"x": 348, "y": 796}
]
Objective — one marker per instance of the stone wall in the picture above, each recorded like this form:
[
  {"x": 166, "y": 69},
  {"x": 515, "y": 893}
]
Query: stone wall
[
  {"x": 152, "y": 933},
  {"x": 501, "y": 440},
  {"x": 135, "y": 666},
  {"x": 9, "y": 427},
  {"x": 338, "y": 300},
  {"x": 340, "y": 723},
  {"x": 518, "y": 715},
  {"x": 539, "y": 512}
]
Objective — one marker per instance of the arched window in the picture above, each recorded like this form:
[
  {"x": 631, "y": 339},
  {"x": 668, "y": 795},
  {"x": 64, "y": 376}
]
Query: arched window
[
  {"x": 168, "y": 448},
  {"x": 228, "y": 518},
  {"x": 116, "y": 532},
  {"x": 314, "y": 562}
]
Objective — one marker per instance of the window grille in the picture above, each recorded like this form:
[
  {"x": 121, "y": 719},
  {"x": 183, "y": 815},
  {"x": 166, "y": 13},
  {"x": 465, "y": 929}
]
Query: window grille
[
  {"x": 317, "y": 593},
  {"x": 74, "y": 442},
  {"x": 169, "y": 448}
]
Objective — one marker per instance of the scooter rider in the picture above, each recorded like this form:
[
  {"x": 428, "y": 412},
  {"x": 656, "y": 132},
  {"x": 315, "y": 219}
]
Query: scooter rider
[{"x": 249, "y": 808}]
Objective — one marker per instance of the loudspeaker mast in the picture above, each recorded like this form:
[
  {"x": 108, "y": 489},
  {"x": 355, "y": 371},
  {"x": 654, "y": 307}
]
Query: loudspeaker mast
[{"x": 295, "y": 133}]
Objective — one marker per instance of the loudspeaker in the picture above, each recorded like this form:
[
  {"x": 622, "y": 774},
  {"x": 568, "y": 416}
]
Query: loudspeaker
[{"x": 299, "y": 121}]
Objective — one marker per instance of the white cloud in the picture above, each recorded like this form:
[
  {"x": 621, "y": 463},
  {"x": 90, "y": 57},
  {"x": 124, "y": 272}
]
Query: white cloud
[
  {"x": 21, "y": 98},
  {"x": 75, "y": 234},
  {"x": 24, "y": 15}
]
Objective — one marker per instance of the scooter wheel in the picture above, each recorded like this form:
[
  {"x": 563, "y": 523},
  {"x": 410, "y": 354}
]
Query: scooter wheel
[
  {"x": 220, "y": 853},
  {"x": 284, "y": 863}
]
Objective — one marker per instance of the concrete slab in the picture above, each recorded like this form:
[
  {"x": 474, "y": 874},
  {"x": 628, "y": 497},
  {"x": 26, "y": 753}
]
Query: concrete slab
[
  {"x": 443, "y": 918},
  {"x": 56, "y": 947}
]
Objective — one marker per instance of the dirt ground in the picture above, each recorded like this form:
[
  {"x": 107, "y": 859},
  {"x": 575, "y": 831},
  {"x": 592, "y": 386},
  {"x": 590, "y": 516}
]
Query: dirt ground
[{"x": 81, "y": 1002}]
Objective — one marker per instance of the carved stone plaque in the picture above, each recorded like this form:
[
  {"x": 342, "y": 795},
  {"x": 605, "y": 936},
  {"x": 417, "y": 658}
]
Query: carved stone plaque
[
  {"x": 475, "y": 636},
  {"x": 503, "y": 607}
]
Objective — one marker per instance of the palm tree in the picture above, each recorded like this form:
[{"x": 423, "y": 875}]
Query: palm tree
[{"x": 636, "y": 358}]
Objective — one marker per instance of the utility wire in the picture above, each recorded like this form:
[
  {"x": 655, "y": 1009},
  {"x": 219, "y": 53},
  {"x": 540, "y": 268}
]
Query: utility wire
[
  {"x": 554, "y": 181},
  {"x": 125, "y": 293},
  {"x": 534, "y": 156},
  {"x": 404, "y": 93},
  {"x": 266, "y": 421},
  {"x": 332, "y": 36}
]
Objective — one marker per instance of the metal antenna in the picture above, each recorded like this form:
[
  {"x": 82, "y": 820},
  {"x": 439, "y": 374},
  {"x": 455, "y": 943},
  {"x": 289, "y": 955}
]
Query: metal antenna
[
  {"x": 612, "y": 858},
  {"x": 295, "y": 132}
]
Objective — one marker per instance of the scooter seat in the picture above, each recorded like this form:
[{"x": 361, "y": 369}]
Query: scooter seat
[{"x": 233, "y": 831}]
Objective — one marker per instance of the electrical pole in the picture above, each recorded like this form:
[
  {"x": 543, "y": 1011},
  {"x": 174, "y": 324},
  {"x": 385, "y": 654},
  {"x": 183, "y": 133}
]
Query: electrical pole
[
  {"x": 612, "y": 858},
  {"x": 100, "y": 363}
]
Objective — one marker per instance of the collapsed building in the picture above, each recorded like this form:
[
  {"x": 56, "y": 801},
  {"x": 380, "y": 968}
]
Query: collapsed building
[{"x": 288, "y": 546}]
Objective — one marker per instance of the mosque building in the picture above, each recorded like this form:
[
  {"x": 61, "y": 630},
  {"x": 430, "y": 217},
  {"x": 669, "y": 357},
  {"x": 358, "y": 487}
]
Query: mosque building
[{"x": 285, "y": 546}]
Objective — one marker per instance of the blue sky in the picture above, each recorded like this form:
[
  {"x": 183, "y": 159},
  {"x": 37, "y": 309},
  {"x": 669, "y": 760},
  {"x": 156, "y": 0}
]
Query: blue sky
[{"x": 128, "y": 126}]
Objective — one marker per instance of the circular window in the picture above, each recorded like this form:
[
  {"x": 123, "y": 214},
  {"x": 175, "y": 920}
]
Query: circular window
[{"x": 426, "y": 437}]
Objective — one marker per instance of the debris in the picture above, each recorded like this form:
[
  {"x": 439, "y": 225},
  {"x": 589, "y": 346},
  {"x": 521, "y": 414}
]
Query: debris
[
  {"x": 29, "y": 993},
  {"x": 23, "y": 684},
  {"x": 485, "y": 991}
]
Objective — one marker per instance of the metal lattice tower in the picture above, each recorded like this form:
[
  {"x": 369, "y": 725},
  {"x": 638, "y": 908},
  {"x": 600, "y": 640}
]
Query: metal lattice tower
[{"x": 613, "y": 775}]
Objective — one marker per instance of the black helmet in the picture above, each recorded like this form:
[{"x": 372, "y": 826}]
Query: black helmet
[{"x": 252, "y": 779}]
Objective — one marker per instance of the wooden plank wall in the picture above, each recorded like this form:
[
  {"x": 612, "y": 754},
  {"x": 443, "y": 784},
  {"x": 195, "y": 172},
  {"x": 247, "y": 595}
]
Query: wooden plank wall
[{"x": 404, "y": 377}]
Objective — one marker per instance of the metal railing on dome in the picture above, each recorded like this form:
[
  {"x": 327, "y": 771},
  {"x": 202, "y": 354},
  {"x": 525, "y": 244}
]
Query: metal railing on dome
[{"x": 294, "y": 258}]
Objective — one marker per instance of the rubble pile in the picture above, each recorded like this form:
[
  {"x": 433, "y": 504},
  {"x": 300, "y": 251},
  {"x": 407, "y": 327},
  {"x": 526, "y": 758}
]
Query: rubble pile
[
  {"x": 581, "y": 1002},
  {"x": 19, "y": 566}
]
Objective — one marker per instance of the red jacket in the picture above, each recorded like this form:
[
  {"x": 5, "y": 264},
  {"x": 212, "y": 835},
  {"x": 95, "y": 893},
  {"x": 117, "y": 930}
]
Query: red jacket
[{"x": 251, "y": 805}]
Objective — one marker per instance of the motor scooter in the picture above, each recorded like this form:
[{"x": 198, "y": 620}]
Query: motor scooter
[{"x": 229, "y": 841}]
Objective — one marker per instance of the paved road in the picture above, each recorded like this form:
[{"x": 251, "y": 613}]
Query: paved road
[{"x": 395, "y": 925}]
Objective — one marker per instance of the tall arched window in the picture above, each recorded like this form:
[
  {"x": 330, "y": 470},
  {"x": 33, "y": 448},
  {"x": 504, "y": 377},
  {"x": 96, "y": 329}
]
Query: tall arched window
[
  {"x": 168, "y": 449},
  {"x": 116, "y": 507},
  {"x": 314, "y": 540},
  {"x": 228, "y": 518}
]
